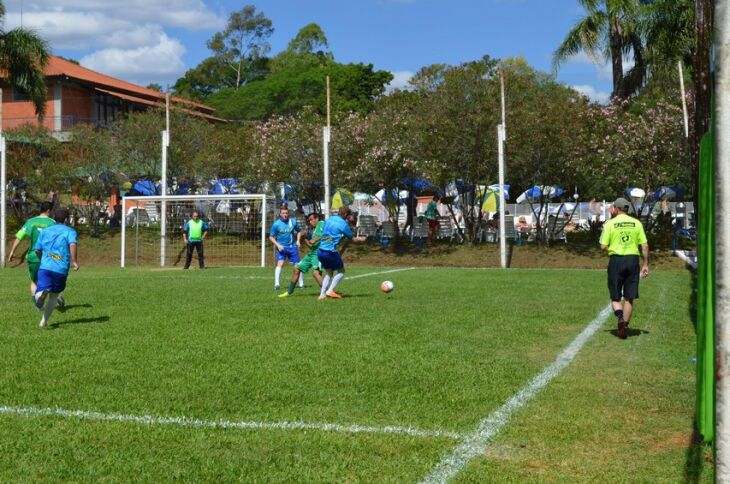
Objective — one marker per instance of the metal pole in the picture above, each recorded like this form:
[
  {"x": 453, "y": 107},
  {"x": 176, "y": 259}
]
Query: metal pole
[
  {"x": 501, "y": 85},
  {"x": 136, "y": 236},
  {"x": 502, "y": 242},
  {"x": 3, "y": 188},
  {"x": 684, "y": 99},
  {"x": 3, "y": 201},
  {"x": 722, "y": 244},
  {"x": 263, "y": 231},
  {"x": 501, "y": 137},
  {"x": 163, "y": 181},
  {"x": 326, "y": 150},
  {"x": 124, "y": 231}
]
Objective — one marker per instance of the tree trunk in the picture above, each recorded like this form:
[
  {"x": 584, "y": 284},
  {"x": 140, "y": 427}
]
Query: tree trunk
[
  {"x": 617, "y": 64},
  {"x": 702, "y": 84}
]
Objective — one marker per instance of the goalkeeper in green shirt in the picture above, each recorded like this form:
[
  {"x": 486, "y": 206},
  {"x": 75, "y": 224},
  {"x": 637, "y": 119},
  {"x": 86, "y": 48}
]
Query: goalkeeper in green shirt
[
  {"x": 31, "y": 230},
  {"x": 310, "y": 262}
]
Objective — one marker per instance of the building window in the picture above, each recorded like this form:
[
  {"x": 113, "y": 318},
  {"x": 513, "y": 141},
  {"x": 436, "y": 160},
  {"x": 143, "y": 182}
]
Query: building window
[{"x": 20, "y": 96}]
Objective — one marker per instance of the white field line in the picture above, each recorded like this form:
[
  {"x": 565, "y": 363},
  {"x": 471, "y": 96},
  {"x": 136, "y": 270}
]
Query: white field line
[
  {"x": 475, "y": 443},
  {"x": 225, "y": 424},
  {"x": 244, "y": 277},
  {"x": 379, "y": 273}
]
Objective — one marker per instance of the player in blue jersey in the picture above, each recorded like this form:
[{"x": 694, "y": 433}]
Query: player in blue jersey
[
  {"x": 336, "y": 228},
  {"x": 56, "y": 249},
  {"x": 285, "y": 234}
]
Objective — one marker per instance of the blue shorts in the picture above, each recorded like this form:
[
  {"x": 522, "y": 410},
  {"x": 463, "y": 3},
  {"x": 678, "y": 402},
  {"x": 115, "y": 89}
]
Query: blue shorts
[
  {"x": 51, "y": 281},
  {"x": 330, "y": 260},
  {"x": 291, "y": 253}
]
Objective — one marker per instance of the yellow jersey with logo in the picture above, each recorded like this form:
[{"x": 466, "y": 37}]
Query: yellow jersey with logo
[{"x": 623, "y": 235}]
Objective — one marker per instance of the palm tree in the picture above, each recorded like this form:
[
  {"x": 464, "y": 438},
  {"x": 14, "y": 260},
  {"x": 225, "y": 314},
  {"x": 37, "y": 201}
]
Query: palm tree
[
  {"x": 23, "y": 55},
  {"x": 609, "y": 31}
]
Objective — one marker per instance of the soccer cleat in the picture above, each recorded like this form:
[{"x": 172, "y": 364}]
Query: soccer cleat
[
  {"x": 43, "y": 323},
  {"x": 277, "y": 287},
  {"x": 334, "y": 295},
  {"x": 622, "y": 325},
  {"x": 283, "y": 294},
  {"x": 321, "y": 298},
  {"x": 61, "y": 303},
  {"x": 40, "y": 299}
]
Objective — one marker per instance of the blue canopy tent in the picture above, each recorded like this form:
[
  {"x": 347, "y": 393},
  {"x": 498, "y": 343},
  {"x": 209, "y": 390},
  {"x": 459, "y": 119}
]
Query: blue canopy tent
[
  {"x": 224, "y": 186},
  {"x": 668, "y": 192},
  {"x": 536, "y": 193},
  {"x": 144, "y": 188}
]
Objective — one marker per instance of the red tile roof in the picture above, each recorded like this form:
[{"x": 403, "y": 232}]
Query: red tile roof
[
  {"x": 158, "y": 103},
  {"x": 58, "y": 67}
]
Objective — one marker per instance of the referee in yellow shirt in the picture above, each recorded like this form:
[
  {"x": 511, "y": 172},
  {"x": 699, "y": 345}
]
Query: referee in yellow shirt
[{"x": 623, "y": 236}]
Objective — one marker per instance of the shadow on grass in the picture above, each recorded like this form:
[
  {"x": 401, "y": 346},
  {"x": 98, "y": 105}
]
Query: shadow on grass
[
  {"x": 629, "y": 332},
  {"x": 98, "y": 319},
  {"x": 694, "y": 457},
  {"x": 73, "y": 306}
]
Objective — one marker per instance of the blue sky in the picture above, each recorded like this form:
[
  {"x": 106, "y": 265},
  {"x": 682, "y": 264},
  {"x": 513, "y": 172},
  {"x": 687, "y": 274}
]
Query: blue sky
[{"x": 156, "y": 41}]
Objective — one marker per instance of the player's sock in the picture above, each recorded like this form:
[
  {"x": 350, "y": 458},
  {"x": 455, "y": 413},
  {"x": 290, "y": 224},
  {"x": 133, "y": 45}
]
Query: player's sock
[
  {"x": 325, "y": 283},
  {"x": 619, "y": 313},
  {"x": 40, "y": 299},
  {"x": 50, "y": 306},
  {"x": 277, "y": 276},
  {"x": 335, "y": 280},
  {"x": 301, "y": 279},
  {"x": 292, "y": 286}
]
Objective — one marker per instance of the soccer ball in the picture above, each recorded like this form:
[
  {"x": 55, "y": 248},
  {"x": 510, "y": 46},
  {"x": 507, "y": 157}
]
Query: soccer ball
[{"x": 386, "y": 286}]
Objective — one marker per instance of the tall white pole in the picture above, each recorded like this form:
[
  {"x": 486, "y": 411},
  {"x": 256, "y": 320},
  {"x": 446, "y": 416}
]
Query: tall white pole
[
  {"x": 163, "y": 181},
  {"x": 501, "y": 136},
  {"x": 123, "y": 257},
  {"x": 3, "y": 186},
  {"x": 722, "y": 238},
  {"x": 684, "y": 99},
  {"x": 502, "y": 231},
  {"x": 263, "y": 230},
  {"x": 501, "y": 85},
  {"x": 326, "y": 150}
]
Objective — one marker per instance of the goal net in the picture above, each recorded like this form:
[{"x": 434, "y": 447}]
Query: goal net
[{"x": 238, "y": 225}]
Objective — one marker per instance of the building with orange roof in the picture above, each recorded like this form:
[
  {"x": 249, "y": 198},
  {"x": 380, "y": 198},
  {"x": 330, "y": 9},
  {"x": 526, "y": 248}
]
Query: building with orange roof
[{"x": 79, "y": 95}]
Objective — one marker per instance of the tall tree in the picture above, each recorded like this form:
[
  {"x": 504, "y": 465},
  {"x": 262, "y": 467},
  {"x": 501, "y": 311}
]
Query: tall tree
[
  {"x": 610, "y": 30},
  {"x": 244, "y": 40},
  {"x": 23, "y": 55}
]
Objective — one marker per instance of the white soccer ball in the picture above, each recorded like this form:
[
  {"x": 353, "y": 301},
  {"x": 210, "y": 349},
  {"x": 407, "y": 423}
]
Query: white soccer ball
[{"x": 386, "y": 286}]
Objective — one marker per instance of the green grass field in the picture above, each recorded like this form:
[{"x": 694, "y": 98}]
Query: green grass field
[{"x": 445, "y": 350}]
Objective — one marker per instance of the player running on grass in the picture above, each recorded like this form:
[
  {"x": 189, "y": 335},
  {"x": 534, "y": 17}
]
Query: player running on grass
[
  {"x": 285, "y": 234},
  {"x": 56, "y": 249},
  {"x": 310, "y": 262},
  {"x": 335, "y": 229},
  {"x": 31, "y": 229}
]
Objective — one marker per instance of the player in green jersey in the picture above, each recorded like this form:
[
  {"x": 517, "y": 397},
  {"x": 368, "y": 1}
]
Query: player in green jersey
[
  {"x": 310, "y": 262},
  {"x": 32, "y": 230}
]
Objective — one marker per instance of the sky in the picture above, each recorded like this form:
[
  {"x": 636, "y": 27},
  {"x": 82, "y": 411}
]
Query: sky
[{"x": 146, "y": 41}]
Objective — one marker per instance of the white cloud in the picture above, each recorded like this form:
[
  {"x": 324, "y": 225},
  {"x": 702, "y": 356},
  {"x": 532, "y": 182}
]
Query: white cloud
[
  {"x": 158, "y": 62},
  {"x": 122, "y": 38},
  {"x": 400, "y": 80},
  {"x": 187, "y": 14},
  {"x": 591, "y": 93}
]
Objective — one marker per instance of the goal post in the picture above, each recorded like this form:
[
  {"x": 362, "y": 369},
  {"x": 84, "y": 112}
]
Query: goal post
[{"x": 238, "y": 225}]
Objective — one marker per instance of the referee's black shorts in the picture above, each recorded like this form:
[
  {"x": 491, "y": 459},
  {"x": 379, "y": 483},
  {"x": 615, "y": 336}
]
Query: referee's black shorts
[{"x": 623, "y": 277}]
